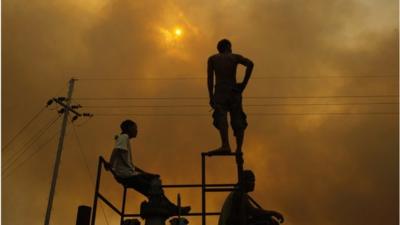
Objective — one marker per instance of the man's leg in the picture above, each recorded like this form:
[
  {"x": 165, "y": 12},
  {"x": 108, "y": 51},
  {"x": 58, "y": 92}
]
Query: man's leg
[
  {"x": 150, "y": 186},
  {"x": 224, "y": 134},
  {"x": 268, "y": 217},
  {"x": 221, "y": 123},
  {"x": 140, "y": 183},
  {"x": 238, "y": 121},
  {"x": 239, "y": 140},
  {"x": 239, "y": 124},
  {"x": 263, "y": 219}
]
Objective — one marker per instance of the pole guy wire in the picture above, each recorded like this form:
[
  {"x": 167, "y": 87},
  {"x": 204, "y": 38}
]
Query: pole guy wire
[{"x": 87, "y": 167}]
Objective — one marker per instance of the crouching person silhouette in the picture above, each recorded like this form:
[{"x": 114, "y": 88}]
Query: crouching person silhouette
[
  {"x": 253, "y": 216},
  {"x": 131, "y": 176}
]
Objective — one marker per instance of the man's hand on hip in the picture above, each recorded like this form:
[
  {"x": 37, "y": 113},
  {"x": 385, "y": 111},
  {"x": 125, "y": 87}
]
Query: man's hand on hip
[
  {"x": 240, "y": 87},
  {"x": 212, "y": 103}
]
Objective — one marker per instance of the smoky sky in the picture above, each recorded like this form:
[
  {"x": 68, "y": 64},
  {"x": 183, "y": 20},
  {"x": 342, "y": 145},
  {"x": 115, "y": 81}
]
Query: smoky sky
[{"x": 315, "y": 169}]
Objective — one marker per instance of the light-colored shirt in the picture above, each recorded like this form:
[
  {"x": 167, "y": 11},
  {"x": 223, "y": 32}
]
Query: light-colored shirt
[{"x": 121, "y": 157}]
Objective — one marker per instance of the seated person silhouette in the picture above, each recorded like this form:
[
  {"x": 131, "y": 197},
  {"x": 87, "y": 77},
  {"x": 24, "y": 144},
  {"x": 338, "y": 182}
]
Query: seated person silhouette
[
  {"x": 253, "y": 216},
  {"x": 226, "y": 95},
  {"x": 131, "y": 176}
]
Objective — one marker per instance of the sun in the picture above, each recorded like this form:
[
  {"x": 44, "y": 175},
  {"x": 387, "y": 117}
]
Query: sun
[
  {"x": 173, "y": 34},
  {"x": 178, "y": 32}
]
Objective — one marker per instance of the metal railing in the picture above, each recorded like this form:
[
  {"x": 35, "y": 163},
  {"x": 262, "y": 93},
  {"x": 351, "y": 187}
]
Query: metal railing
[{"x": 204, "y": 189}]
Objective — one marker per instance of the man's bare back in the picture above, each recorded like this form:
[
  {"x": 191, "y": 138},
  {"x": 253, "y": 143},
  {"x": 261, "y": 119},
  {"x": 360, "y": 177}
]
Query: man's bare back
[{"x": 225, "y": 66}]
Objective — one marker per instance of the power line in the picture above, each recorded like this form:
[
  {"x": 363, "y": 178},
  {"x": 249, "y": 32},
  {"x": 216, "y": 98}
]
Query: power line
[
  {"x": 23, "y": 128},
  {"x": 34, "y": 138},
  {"x": 254, "y": 114},
  {"x": 191, "y": 77},
  {"x": 247, "y": 105},
  {"x": 248, "y": 97},
  {"x": 87, "y": 166},
  {"x": 26, "y": 146},
  {"x": 19, "y": 153},
  {"x": 81, "y": 152},
  {"x": 27, "y": 124},
  {"x": 38, "y": 149}
]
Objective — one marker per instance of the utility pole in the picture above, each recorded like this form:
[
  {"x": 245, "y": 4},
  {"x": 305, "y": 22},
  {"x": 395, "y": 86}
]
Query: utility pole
[
  {"x": 66, "y": 109},
  {"x": 59, "y": 151}
]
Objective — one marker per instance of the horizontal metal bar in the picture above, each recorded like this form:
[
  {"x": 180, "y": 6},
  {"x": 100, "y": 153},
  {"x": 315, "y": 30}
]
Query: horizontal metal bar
[
  {"x": 109, "y": 204},
  {"x": 190, "y": 214},
  {"x": 132, "y": 215},
  {"x": 218, "y": 154},
  {"x": 208, "y": 214},
  {"x": 220, "y": 189},
  {"x": 196, "y": 185}
]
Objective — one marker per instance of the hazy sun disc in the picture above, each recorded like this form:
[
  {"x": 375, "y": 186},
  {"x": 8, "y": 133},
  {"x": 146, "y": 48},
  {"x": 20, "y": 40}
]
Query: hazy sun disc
[
  {"x": 178, "y": 32},
  {"x": 173, "y": 37}
]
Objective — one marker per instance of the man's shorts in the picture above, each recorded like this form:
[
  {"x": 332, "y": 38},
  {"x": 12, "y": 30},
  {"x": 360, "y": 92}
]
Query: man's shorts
[{"x": 227, "y": 99}]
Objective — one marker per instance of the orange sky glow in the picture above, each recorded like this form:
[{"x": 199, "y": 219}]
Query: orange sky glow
[{"x": 322, "y": 103}]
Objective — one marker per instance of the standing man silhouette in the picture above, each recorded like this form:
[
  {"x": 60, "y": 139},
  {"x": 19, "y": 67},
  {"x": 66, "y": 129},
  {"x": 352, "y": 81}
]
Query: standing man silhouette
[{"x": 226, "y": 95}]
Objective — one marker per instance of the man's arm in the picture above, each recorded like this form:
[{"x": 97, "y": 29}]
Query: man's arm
[
  {"x": 249, "y": 69},
  {"x": 137, "y": 169},
  {"x": 210, "y": 81},
  {"x": 122, "y": 154},
  {"x": 258, "y": 212}
]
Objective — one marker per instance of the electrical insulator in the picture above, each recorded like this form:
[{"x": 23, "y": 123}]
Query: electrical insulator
[
  {"x": 49, "y": 102},
  {"x": 74, "y": 118}
]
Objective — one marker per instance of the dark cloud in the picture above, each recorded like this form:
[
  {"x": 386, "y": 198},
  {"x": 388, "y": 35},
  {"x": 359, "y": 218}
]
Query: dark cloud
[{"x": 314, "y": 169}]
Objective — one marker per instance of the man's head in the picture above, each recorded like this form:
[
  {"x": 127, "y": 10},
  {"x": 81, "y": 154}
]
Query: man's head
[
  {"x": 129, "y": 127},
  {"x": 249, "y": 180},
  {"x": 224, "y": 46}
]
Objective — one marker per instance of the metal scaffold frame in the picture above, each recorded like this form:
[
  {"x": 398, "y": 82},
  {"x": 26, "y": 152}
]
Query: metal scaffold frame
[{"x": 204, "y": 189}]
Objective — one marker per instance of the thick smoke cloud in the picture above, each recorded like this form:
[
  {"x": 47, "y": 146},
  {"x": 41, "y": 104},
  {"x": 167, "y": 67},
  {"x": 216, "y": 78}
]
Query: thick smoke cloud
[{"x": 315, "y": 169}]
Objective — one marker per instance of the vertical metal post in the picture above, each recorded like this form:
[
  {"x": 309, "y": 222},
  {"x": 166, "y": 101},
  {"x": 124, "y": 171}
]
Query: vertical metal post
[
  {"x": 96, "y": 191},
  {"x": 59, "y": 151},
  {"x": 239, "y": 162},
  {"x": 203, "y": 189},
  {"x": 123, "y": 206}
]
